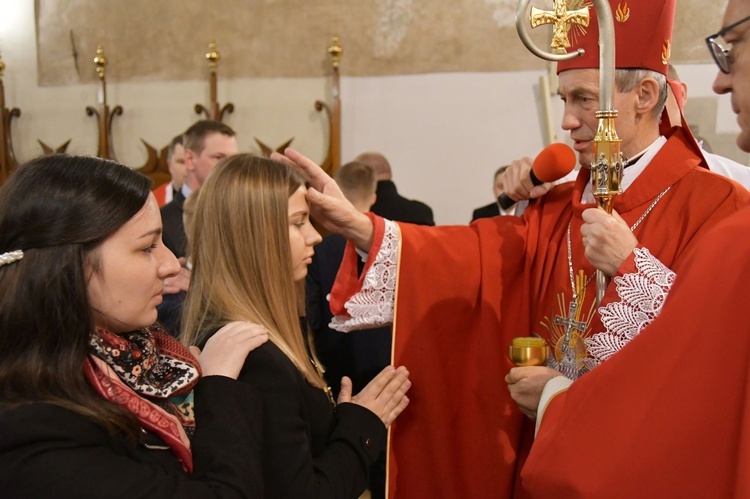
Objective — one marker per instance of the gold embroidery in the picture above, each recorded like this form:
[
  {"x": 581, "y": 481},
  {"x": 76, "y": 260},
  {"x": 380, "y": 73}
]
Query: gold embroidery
[
  {"x": 623, "y": 13},
  {"x": 575, "y": 351},
  {"x": 578, "y": 29},
  {"x": 666, "y": 52}
]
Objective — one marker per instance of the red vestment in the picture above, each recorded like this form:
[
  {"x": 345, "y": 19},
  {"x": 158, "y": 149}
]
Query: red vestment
[
  {"x": 669, "y": 415},
  {"x": 464, "y": 292}
]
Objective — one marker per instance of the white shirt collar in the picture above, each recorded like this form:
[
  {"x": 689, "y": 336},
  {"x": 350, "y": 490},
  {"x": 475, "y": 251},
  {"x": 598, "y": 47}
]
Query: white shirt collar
[{"x": 186, "y": 190}]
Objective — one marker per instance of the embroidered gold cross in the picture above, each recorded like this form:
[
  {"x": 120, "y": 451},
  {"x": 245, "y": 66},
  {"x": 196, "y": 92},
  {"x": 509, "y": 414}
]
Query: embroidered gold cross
[{"x": 562, "y": 19}]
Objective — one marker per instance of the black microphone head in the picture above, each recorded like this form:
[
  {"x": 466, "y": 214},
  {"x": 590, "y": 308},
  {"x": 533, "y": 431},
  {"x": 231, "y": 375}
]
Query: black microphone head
[{"x": 505, "y": 201}]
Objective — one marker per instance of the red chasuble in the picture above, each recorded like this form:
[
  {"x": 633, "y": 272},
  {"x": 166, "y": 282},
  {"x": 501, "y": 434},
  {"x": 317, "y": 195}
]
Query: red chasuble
[
  {"x": 464, "y": 292},
  {"x": 669, "y": 415}
]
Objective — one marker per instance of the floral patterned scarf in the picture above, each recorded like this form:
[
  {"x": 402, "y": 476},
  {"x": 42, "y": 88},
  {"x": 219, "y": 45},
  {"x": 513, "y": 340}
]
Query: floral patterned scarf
[{"x": 152, "y": 375}]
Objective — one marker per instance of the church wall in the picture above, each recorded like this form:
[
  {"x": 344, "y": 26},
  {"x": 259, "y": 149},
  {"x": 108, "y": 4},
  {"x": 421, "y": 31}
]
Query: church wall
[{"x": 444, "y": 133}]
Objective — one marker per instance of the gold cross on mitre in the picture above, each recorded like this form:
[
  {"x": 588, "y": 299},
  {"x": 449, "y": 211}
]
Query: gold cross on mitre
[{"x": 562, "y": 18}]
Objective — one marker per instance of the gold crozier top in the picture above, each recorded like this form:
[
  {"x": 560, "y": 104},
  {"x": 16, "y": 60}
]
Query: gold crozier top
[{"x": 562, "y": 19}]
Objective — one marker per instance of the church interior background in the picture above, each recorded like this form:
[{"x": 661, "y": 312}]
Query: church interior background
[{"x": 443, "y": 88}]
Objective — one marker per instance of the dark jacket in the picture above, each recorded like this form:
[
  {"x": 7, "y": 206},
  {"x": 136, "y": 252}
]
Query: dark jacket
[
  {"x": 169, "y": 312},
  {"x": 361, "y": 355},
  {"x": 173, "y": 233},
  {"x": 309, "y": 451},
  {"x": 392, "y": 206},
  {"x": 49, "y": 451}
]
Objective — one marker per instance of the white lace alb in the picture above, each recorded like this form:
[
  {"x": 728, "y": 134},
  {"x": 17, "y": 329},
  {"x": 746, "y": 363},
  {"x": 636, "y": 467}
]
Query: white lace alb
[
  {"x": 642, "y": 295},
  {"x": 373, "y": 305}
]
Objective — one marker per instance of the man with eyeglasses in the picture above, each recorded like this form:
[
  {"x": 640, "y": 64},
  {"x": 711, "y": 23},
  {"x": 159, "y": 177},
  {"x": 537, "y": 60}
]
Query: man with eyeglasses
[
  {"x": 726, "y": 47},
  {"x": 669, "y": 416}
]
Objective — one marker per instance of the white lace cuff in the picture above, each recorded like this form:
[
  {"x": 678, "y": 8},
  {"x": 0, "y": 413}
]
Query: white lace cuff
[
  {"x": 642, "y": 295},
  {"x": 372, "y": 306}
]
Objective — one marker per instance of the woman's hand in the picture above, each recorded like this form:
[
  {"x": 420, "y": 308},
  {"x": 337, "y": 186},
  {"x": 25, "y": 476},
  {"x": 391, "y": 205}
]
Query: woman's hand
[
  {"x": 225, "y": 352},
  {"x": 385, "y": 395}
]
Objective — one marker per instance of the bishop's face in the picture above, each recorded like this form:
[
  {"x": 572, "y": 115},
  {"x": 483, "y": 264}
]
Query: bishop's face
[
  {"x": 737, "y": 82},
  {"x": 579, "y": 91}
]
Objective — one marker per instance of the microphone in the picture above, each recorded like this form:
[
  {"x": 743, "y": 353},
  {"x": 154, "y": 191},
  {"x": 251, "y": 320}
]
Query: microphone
[{"x": 553, "y": 163}]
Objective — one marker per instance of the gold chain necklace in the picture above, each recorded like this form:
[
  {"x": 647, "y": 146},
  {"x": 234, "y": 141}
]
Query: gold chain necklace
[{"x": 327, "y": 389}]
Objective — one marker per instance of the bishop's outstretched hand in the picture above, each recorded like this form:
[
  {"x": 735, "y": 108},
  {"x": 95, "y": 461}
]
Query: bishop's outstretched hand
[{"x": 328, "y": 204}]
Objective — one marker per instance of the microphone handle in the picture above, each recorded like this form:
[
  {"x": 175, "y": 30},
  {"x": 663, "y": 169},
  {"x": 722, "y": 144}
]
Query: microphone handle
[{"x": 506, "y": 201}]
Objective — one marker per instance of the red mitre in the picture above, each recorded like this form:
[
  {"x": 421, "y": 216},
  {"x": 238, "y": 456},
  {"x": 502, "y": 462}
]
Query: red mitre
[{"x": 643, "y": 35}]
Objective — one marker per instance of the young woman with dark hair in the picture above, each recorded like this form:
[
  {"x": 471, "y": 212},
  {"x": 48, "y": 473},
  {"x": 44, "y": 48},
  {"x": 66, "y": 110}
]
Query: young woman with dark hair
[{"x": 96, "y": 401}]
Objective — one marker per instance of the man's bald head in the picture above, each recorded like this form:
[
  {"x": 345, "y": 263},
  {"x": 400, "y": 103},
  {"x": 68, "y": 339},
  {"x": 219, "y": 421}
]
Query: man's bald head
[{"x": 378, "y": 163}]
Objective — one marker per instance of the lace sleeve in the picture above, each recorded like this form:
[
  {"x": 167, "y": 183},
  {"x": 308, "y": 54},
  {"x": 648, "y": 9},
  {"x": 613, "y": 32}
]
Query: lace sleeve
[
  {"x": 642, "y": 295},
  {"x": 372, "y": 305}
]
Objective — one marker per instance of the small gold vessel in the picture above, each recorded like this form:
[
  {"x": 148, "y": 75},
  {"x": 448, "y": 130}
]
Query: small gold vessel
[{"x": 529, "y": 351}]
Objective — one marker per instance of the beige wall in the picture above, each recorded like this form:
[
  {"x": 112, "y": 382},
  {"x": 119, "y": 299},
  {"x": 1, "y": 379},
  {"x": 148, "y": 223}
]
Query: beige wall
[{"x": 444, "y": 133}]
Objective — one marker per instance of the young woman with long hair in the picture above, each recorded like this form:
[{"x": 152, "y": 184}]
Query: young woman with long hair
[
  {"x": 95, "y": 401},
  {"x": 251, "y": 243}
]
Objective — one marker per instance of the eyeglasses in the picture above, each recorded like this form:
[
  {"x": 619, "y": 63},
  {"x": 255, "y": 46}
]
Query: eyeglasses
[{"x": 719, "y": 53}]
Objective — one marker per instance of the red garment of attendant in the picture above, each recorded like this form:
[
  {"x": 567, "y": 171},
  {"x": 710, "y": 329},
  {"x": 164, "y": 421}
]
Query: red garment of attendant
[
  {"x": 669, "y": 415},
  {"x": 163, "y": 194},
  {"x": 464, "y": 292}
]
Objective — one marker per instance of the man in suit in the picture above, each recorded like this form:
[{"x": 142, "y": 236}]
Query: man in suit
[
  {"x": 206, "y": 143},
  {"x": 390, "y": 204},
  {"x": 176, "y": 165},
  {"x": 492, "y": 209}
]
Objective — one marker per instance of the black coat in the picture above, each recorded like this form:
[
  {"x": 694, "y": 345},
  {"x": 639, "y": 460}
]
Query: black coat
[
  {"x": 361, "y": 355},
  {"x": 173, "y": 233},
  {"x": 49, "y": 451},
  {"x": 392, "y": 206},
  {"x": 308, "y": 450}
]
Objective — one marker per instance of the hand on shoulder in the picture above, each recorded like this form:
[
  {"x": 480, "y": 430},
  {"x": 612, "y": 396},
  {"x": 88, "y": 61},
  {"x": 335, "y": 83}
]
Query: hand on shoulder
[{"x": 225, "y": 352}]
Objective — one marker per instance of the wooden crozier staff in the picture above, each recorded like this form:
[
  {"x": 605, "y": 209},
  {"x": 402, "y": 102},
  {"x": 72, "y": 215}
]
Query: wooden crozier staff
[
  {"x": 104, "y": 116},
  {"x": 606, "y": 172},
  {"x": 332, "y": 160},
  {"x": 215, "y": 111},
  {"x": 8, "y": 161}
]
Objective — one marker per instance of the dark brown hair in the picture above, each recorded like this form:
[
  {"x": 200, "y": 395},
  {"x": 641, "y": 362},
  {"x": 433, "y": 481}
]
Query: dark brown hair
[
  {"x": 194, "y": 137},
  {"x": 58, "y": 209}
]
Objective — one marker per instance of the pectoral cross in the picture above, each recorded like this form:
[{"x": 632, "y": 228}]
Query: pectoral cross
[
  {"x": 570, "y": 322},
  {"x": 568, "y": 363},
  {"x": 562, "y": 19}
]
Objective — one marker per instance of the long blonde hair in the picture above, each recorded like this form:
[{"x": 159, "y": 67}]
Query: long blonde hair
[{"x": 241, "y": 257}]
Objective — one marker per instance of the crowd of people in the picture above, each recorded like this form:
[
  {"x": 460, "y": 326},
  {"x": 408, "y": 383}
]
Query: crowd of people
[{"x": 204, "y": 339}]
